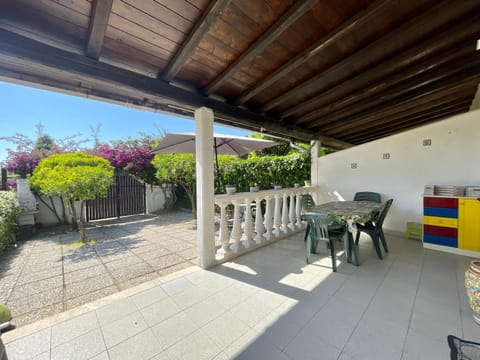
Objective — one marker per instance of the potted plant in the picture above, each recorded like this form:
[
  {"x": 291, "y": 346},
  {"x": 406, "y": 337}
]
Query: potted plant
[
  {"x": 253, "y": 187},
  {"x": 230, "y": 189}
]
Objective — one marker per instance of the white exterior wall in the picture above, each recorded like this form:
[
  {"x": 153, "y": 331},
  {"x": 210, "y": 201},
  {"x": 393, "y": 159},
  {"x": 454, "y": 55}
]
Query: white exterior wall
[
  {"x": 452, "y": 159},
  {"x": 155, "y": 199},
  {"x": 46, "y": 218}
]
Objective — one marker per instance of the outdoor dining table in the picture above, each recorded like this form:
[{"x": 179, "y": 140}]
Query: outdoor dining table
[{"x": 352, "y": 213}]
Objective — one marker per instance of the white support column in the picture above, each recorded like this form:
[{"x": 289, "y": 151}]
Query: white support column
[
  {"x": 315, "y": 154},
  {"x": 205, "y": 187}
]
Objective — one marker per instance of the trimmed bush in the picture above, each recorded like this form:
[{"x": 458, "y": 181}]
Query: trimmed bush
[{"x": 9, "y": 211}]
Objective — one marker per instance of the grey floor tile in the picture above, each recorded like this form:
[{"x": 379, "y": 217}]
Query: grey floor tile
[
  {"x": 117, "y": 331},
  {"x": 148, "y": 297},
  {"x": 83, "y": 347},
  {"x": 116, "y": 310},
  {"x": 160, "y": 311},
  {"x": 142, "y": 346},
  {"x": 73, "y": 328},
  {"x": 174, "y": 329},
  {"x": 30, "y": 346},
  {"x": 197, "y": 346}
]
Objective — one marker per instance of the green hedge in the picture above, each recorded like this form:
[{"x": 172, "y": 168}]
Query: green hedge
[
  {"x": 264, "y": 171},
  {"x": 9, "y": 211}
]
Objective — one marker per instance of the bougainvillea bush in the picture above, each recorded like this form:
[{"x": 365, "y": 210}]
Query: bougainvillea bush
[{"x": 9, "y": 211}]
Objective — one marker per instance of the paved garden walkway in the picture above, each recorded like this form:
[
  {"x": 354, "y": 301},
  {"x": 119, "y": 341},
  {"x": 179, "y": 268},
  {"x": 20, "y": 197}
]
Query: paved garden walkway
[{"x": 52, "y": 272}]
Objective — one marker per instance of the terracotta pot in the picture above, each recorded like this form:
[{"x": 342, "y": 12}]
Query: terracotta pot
[{"x": 472, "y": 284}]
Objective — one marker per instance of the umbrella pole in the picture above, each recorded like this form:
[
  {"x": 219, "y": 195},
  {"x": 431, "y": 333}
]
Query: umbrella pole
[{"x": 218, "y": 169}]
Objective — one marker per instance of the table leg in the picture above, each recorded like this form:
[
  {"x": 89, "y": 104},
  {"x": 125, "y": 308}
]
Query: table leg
[{"x": 350, "y": 248}]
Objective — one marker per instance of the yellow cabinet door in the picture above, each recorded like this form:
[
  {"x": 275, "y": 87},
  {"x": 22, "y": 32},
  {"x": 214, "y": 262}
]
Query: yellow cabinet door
[{"x": 469, "y": 224}]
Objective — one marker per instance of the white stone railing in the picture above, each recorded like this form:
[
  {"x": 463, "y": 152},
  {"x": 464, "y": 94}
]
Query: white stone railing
[{"x": 240, "y": 230}]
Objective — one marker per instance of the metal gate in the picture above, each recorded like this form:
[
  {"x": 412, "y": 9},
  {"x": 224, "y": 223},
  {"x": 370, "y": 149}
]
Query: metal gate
[{"x": 125, "y": 197}]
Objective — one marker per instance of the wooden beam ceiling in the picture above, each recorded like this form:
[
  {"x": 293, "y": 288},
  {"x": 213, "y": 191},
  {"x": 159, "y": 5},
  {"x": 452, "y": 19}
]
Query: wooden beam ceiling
[
  {"x": 101, "y": 10},
  {"x": 402, "y": 37},
  {"x": 412, "y": 61},
  {"x": 353, "y": 24},
  {"x": 293, "y": 13},
  {"x": 201, "y": 27}
]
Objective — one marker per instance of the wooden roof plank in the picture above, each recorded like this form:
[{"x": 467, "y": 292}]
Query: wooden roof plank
[
  {"x": 201, "y": 27},
  {"x": 456, "y": 85},
  {"x": 288, "y": 18},
  {"x": 394, "y": 68},
  {"x": 356, "y": 21},
  {"x": 405, "y": 35},
  {"x": 101, "y": 10},
  {"x": 370, "y": 97}
]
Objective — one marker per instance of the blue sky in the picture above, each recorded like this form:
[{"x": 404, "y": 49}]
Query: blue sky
[{"x": 63, "y": 115}]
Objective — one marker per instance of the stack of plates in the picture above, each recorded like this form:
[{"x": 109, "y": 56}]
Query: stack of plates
[
  {"x": 448, "y": 190},
  {"x": 472, "y": 191},
  {"x": 428, "y": 190}
]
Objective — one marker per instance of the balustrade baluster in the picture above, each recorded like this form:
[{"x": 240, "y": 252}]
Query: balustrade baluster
[
  {"x": 277, "y": 215},
  {"x": 223, "y": 235},
  {"x": 291, "y": 212},
  {"x": 236, "y": 234},
  {"x": 259, "y": 228},
  {"x": 284, "y": 225},
  {"x": 268, "y": 217},
  {"x": 298, "y": 210},
  {"x": 248, "y": 224}
]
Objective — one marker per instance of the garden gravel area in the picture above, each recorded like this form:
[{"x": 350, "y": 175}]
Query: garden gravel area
[{"x": 53, "y": 272}]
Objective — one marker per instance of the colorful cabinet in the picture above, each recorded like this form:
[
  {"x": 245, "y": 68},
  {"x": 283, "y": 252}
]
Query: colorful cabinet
[
  {"x": 469, "y": 224},
  {"x": 440, "y": 221},
  {"x": 452, "y": 222}
]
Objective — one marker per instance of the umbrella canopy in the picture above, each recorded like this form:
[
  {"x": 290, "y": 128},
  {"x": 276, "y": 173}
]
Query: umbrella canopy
[{"x": 224, "y": 144}]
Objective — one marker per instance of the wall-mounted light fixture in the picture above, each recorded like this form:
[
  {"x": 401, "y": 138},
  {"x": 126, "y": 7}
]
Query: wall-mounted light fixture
[
  {"x": 386, "y": 156},
  {"x": 353, "y": 165}
]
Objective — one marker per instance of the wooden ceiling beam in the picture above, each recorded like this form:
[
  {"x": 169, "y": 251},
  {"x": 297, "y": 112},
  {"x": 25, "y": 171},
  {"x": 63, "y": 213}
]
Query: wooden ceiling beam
[
  {"x": 393, "y": 70},
  {"x": 405, "y": 104},
  {"x": 288, "y": 18},
  {"x": 101, "y": 10},
  {"x": 435, "y": 78},
  {"x": 400, "y": 119},
  {"x": 357, "y": 22},
  {"x": 189, "y": 45},
  {"x": 421, "y": 121},
  {"x": 402, "y": 37},
  {"x": 37, "y": 56}
]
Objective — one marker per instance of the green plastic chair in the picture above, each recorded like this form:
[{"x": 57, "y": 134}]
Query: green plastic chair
[
  {"x": 318, "y": 230},
  {"x": 367, "y": 196},
  {"x": 374, "y": 229},
  {"x": 307, "y": 202}
]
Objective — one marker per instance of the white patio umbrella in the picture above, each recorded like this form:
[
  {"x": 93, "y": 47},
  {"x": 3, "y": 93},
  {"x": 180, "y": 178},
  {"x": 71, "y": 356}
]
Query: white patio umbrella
[{"x": 184, "y": 143}]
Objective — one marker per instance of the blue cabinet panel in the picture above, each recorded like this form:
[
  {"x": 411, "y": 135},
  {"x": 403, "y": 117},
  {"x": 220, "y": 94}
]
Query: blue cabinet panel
[
  {"x": 441, "y": 212},
  {"x": 440, "y": 240}
]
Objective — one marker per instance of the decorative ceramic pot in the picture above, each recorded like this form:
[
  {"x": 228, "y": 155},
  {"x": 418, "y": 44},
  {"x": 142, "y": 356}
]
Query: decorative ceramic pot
[
  {"x": 472, "y": 284},
  {"x": 230, "y": 189}
]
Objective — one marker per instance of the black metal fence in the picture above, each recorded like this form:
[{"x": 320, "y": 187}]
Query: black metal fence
[{"x": 125, "y": 197}]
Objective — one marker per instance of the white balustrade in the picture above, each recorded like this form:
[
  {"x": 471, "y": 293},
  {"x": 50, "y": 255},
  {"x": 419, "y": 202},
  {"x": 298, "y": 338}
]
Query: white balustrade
[{"x": 281, "y": 218}]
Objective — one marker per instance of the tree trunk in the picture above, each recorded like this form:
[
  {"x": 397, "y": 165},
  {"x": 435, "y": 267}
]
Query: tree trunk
[
  {"x": 74, "y": 216},
  {"x": 51, "y": 208},
  {"x": 80, "y": 222}
]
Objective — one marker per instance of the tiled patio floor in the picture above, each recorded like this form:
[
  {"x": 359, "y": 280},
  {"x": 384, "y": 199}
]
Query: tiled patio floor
[
  {"x": 51, "y": 273},
  {"x": 270, "y": 305}
]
